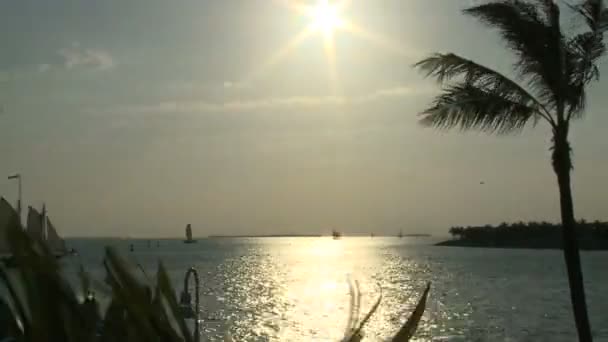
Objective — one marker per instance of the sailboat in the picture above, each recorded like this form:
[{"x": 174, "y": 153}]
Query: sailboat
[
  {"x": 400, "y": 234},
  {"x": 39, "y": 227},
  {"x": 56, "y": 243},
  {"x": 7, "y": 216},
  {"x": 189, "y": 234},
  {"x": 336, "y": 234},
  {"x": 33, "y": 225}
]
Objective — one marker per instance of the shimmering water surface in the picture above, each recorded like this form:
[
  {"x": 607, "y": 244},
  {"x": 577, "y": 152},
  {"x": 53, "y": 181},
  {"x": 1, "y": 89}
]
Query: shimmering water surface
[{"x": 296, "y": 289}]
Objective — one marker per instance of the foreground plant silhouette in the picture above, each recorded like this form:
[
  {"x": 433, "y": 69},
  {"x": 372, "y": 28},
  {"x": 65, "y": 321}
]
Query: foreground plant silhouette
[
  {"x": 354, "y": 328},
  {"x": 553, "y": 70},
  {"x": 44, "y": 307}
]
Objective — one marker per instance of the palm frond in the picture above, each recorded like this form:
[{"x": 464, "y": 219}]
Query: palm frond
[
  {"x": 532, "y": 36},
  {"x": 595, "y": 14},
  {"x": 468, "y": 106},
  {"x": 584, "y": 51},
  {"x": 446, "y": 67}
]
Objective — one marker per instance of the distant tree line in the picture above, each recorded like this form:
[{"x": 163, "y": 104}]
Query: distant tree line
[{"x": 534, "y": 234}]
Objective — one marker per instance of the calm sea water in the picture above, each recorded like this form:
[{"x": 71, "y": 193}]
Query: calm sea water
[{"x": 296, "y": 289}]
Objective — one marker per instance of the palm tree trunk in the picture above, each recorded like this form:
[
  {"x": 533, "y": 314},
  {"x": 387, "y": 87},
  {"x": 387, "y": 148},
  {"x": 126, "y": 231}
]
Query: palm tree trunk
[{"x": 562, "y": 165}]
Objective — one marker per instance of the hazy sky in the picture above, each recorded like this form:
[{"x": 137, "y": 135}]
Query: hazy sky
[{"x": 133, "y": 118}]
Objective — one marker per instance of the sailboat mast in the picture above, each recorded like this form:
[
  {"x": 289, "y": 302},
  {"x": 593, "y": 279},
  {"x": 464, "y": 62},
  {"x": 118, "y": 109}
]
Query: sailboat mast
[
  {"x": 43, "y": 222},
  {"x": 18, "y": 178}
]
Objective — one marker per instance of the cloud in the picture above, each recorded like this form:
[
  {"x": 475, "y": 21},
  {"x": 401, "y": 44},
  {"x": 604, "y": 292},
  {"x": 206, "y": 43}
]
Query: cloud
[
  {"x": 292, "y": 102},
  {"x": 234, "y": 85},
  {"x": 44, "y": 67},
  {"x": 77, "y": 56},
  {"x": 182, "y": 87},
  {"x": 391, "y": 92}
]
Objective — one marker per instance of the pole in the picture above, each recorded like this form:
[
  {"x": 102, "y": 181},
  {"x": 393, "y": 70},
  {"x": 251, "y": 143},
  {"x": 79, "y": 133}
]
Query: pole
[
  {"x": 18, "y": 178},
  {"x": 45, "y": 234},
  {"x": 19, "y": 199}
]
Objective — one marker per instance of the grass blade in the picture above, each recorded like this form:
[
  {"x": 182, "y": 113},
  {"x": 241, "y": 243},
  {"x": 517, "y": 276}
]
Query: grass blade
[
  {"x": 409, "y": 328},
  {"x": 356, "y": 335}
]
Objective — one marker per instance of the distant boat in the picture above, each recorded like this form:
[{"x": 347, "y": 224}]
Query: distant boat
[
  {"x": 336, "y": 234},
  {"x": 39, "y": 227},
  {"x": 189, "y": 234},
  {"x": 400, "y": 234},
  {"x": 372, "y": 235}
]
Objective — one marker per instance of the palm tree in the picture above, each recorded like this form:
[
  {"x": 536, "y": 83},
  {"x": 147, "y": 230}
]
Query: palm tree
[{"x": 553, "y": 70}]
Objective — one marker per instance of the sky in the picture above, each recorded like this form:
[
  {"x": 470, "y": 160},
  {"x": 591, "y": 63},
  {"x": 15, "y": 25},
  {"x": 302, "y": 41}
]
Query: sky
[{"x": 134, "y": 118}]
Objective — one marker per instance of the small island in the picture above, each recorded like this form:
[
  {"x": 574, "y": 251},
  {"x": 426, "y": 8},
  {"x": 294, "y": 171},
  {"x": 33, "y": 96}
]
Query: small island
[{"x": 536, "y": 235}]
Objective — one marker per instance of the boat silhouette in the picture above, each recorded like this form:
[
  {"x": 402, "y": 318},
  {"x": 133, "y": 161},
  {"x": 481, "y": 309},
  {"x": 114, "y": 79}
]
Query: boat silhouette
[{"x": 189, "y": 234}]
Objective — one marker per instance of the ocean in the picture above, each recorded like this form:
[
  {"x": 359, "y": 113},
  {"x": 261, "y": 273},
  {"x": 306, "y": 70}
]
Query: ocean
[{"x": 297, "y": 289}]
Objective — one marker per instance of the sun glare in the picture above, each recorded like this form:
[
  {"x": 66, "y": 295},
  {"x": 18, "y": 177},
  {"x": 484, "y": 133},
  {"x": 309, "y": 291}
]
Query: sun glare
[{"x": 325, "y": 17}]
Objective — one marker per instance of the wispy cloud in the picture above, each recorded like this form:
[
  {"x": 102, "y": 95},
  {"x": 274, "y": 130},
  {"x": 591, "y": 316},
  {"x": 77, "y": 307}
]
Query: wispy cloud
[
  {"x": 234, "y": 85},
  {"x": 44, "y": 67},
  {"x": 292, "y": 102},
  {"x": 392, "y": 92},
  {"x": 77, "y": 56}
]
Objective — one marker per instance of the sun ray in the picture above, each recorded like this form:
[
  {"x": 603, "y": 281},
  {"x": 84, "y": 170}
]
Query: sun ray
[
  {"x": 281, "y": 54},
  {"x": 295, "y": 6},
  {"x": 330, "y": 53},
  {"x": 378, "y": 39},
  {"x": 326, "y": 19}
]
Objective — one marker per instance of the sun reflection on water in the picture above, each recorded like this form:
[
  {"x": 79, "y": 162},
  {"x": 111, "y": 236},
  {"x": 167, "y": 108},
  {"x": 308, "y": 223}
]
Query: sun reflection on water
[
  {"x": 300, "y": 287},
  {"x": 295, "y": 289}
]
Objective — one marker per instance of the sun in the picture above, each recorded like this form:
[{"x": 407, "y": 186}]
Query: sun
[{"x": 325, "y": 17}]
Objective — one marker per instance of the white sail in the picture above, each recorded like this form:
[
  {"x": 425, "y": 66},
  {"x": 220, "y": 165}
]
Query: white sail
[
  {"x": 34, "y": 224},
  {"x": 188, "y": 232},
  {"x": 7, "y": 215},
  {"x": 55, "y": 242}
]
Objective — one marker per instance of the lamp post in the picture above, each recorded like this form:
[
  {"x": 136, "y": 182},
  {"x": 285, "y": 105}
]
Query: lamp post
[
  {"x": 18, "y": 178},
  {"x": 186, "y": 301}
]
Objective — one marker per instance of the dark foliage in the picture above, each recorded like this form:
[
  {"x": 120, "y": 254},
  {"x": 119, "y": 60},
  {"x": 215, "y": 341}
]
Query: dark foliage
[
  {"x": 42, "y": 306},
  {"x": 592, "y": 235}
]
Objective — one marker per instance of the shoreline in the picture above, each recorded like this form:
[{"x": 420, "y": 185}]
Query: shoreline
[{"x": 532, "y": 244}]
